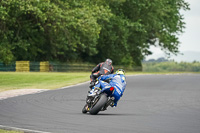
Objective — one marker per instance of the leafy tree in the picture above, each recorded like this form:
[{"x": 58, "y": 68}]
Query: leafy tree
[
  {"x": 49, "y": 30},
  {"x": 138, "y": 24},
  {"x": 89, "y": 30}
]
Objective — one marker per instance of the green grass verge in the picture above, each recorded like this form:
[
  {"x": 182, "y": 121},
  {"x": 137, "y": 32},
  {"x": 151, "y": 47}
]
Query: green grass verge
[
  {"x": 5, "y": 131},
  {"x": 49, "y": 80},
  {"x": 40, "y": 80}
]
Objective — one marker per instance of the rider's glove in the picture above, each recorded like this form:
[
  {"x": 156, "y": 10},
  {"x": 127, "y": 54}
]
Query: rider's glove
[{"x": 99, "y": 78}]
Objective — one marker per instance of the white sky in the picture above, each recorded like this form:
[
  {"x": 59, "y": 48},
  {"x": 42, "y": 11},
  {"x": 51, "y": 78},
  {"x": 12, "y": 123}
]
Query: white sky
[{"x": 190, "y": 39}]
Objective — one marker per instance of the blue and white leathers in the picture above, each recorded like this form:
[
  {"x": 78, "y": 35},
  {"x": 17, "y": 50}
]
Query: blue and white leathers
[{"x": 117, "y": 81}]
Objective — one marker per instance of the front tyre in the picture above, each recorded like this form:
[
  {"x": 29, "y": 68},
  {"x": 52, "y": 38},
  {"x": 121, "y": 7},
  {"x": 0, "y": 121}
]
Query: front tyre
[
  {"x": 84, "y": 109},
  {"x": 99, "y": 105}
]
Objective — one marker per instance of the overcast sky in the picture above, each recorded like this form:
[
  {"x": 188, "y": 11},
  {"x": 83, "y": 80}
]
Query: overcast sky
[{"x": 190, "y": 39}]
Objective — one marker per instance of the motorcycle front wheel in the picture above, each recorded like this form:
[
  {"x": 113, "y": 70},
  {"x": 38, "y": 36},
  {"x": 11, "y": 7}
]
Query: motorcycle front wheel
[
  {"x": 84, "y": 109},
  {"x": 99, "y": 105}
]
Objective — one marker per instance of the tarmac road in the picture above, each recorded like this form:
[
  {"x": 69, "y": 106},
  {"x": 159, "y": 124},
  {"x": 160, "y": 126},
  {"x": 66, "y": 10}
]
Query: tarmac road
[{"x": 151, "y": 104}]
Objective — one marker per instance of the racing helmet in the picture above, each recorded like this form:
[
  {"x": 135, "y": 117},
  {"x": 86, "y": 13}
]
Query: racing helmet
[
  {"x": 120, "y": 71},
  {"x": 108, "y": 61}
]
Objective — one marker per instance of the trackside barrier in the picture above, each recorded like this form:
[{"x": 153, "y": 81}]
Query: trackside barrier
[
  {"x": 67, "y": 67},
  {"x": 22, "y": 66},
  {"x": 8, "y": 67},
  {"x": 34, "y": 66},
  {"x": 44, "y": 66}
]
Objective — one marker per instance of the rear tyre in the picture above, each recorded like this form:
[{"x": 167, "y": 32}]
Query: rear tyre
[{"x": 99, "y": 105}]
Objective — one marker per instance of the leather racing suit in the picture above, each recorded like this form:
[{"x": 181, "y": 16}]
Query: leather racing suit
[
  {"x": 118, "y": 81},
  {"x": 103, "y": 68}
]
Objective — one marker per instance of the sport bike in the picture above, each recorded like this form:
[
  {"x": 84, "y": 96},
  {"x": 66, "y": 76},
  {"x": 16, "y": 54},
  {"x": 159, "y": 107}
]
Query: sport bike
[{"x": 98, "y": 99}]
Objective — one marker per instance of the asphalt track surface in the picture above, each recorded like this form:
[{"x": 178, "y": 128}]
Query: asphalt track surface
[{"x": 151, "y": 104}]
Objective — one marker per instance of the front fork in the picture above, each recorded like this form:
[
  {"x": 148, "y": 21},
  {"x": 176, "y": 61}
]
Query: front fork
[{"x": 90, "y": 102}]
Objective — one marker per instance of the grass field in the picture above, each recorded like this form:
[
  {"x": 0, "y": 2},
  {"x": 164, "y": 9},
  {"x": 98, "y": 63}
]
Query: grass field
[
  {"x": 45, "y": 80},
  {"x": 5, "y": 131},
  {"x": 38, "y": 80}
]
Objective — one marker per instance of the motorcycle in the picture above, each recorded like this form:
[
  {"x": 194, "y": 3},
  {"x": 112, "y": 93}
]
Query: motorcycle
[{"x": 98, "y": 99}]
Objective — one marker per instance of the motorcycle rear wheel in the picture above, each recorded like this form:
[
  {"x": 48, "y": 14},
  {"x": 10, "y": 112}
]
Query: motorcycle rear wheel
[{"x": 99, "y": 105}]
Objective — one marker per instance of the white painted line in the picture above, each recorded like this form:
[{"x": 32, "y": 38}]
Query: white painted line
[{"x": 21, "y": 129}]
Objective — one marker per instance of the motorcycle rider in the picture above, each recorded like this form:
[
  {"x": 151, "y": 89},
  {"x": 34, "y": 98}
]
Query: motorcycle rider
[
  {"x": 103, "y": 68},
  {"x": 118, "y": 81}
]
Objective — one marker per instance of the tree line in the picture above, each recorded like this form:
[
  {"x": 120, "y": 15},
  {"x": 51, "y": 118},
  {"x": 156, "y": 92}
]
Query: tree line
[{"x": 89, "y": 30}]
